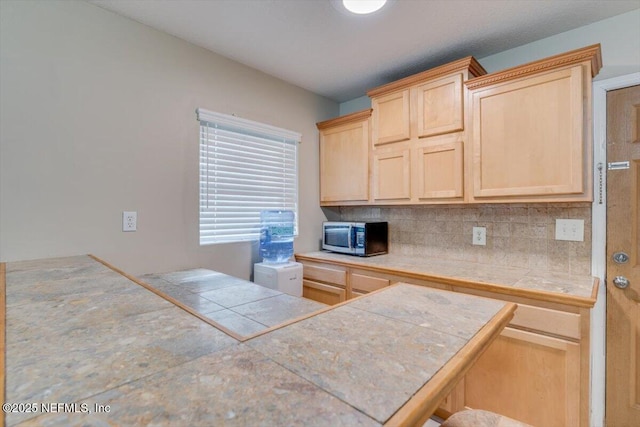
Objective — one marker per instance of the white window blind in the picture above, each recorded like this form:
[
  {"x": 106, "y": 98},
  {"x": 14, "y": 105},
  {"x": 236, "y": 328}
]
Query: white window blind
[{"x": 245, "y": 167}]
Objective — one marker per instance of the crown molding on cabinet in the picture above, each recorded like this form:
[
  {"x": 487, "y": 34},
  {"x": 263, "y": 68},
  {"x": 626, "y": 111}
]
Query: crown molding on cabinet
[
  {"x": 590, "y": 53},
  {"x": 468, "y": 63},
  {"x": 343, "y": 120}
]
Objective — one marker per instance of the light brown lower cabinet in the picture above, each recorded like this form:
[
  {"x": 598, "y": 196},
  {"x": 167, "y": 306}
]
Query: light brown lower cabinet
[
  {"x": 529, "y": 377},
  {"x": 331, "y": 285},
  {"x": 363, "y": 284},
  {"x": 322, "y": 292},
  {"x": 537, "y": 371},
  {"x": 324, "y": 283}
]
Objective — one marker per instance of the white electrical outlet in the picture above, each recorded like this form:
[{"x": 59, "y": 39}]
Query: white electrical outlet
[
  {"x": 570, "y": 229},
  {"x": 129, "y": 221},
  {"x": 479, "y": 236}
]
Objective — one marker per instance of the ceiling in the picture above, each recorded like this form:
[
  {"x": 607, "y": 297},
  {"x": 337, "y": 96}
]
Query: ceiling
[{"x": 316, "y": 45}]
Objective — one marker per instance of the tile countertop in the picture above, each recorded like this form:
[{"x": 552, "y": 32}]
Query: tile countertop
[
  {"x": 102, "y": 350},
  {"x": 237, "y": 305},
  {"x": 542, "y": 285}
]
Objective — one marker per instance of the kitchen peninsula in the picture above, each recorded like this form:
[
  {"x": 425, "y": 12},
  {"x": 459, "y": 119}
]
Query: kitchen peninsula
[
  {"x": 108, "y": 351},
  {"x": 541, "y": 358}
]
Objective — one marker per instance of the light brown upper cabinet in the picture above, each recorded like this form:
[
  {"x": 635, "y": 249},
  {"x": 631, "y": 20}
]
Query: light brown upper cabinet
[
  {"x": 418, "y": 136},
  {"x": 531, "y": 136},
  {"x": 439, "y": 170},
  {"x": 344, "y": 159},
  {"x": 423, "y": 105},
  {"x": 440, "y": 106},
  {"x": 391, "y": 172},
  {"x": 391, "y": 114},
  {"x": 454, "y": 134}
]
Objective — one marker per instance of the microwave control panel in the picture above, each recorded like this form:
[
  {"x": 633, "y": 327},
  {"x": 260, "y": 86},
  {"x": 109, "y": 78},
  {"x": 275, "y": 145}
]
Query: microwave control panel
[{"x": 359, "y": 237}]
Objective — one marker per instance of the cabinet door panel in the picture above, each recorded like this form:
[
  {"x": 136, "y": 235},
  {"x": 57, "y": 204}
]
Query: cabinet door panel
[
  {"x": 361, "y": 283},
  {"x": 325, "y": 274},
  {"x": 391, "y": 118},
  {"x": 440, "y": 171},
  {"x": 554, "y": 322},
  {"x": 528, "y": 136},
  {"x": 344, "y": 164},
  {"x": 391, "y": 175},
  {"x": 528, "y": 377},
  {"x": 440, "y": 106},
  {"x": 323, "y": 293}
]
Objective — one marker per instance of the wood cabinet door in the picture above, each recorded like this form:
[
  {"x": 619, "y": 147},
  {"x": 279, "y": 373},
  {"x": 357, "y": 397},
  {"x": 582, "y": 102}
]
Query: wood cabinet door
[
  {"x": 439, "y": 171},
  {"x": 344, "y": 163},
  {"x": 323, "y": 293},
  {"x": 325, "y": 273},
  {"x": 362, "y": 284},
  {"x": 529, "y": 136},
  {"x": 454, "y": 402},
  {"x": 529, "y": 377},
  {"x": 392, "y": 175},
  {"x": 440, "y": 106},
  {"x": 391, "y": 118}
]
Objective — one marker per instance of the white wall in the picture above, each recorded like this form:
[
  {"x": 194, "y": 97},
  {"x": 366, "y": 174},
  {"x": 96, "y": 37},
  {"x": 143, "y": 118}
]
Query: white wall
[
  {"x": 619, "y": 37},
  {"x": 97, "y": 116}
]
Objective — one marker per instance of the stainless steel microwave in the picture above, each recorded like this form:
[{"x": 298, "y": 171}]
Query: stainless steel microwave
[{"x": 355, "y": 238}]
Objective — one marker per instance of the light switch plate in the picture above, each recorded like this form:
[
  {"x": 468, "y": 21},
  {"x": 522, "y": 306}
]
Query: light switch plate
[{"x": 570, "y": 229}]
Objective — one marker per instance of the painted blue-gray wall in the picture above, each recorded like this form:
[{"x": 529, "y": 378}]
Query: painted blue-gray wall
[{"x": 618, "y": 35}]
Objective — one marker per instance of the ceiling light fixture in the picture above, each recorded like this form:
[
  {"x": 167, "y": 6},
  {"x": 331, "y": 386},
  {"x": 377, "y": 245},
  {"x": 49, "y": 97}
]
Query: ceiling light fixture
[{"x": 362, "y": 7}]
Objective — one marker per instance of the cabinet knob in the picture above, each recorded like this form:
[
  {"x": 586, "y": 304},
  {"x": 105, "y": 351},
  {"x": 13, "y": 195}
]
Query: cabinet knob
[
  {"x": 620, "y": 258},
  {"x": 621, "y": 282}
]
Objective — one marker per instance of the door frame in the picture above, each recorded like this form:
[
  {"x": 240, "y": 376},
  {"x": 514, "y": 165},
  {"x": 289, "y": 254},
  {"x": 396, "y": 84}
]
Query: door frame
[{"x": 599, "y": 240}]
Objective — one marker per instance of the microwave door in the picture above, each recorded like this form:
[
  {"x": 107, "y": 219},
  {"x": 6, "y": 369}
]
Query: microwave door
[{"x": 338, "y": 238}]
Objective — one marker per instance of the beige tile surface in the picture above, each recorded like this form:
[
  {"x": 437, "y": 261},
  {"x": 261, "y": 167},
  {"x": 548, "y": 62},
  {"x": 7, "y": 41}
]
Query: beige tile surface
[
  {"x": 235, "y": 304},
  {"x": 101, "y": 339},
  {"x": 239, "y": 294},
  {"x": 373, "y": 362},
  {"x": 22, "y": 273},
  {"x": 278, "y": 309},
  {"x": 195, "y": 281},
  {"x": 448, "y": 312},
  {"x": 515, "y": 277},
  {"x": 78, "y": 263},
  {"x": 518, "y": 235},
  {"x": 236, "y": 386},
  {"x": 21, "y": 291},
  {"x": 235, "y": 322},
  {"x": 66, "y": 350}
]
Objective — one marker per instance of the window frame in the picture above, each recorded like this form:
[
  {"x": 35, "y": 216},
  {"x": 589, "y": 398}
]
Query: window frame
[{"x": 215, "y": 222}]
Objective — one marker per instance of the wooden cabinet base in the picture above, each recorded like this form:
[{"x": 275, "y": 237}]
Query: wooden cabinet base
[
  {"x": 325, "y": 294},
  {"x": 501, "y": 380},
  {"x": 536, "y": 372}
]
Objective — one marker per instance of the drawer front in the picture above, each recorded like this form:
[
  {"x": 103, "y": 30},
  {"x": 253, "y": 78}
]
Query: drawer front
[
  {"x": 323, "y": 274},
  {"x": 323, "y": 293},
  {"x": 355, "y": 294},
  {"x": 361, "y": 283},
  {"x": 546, "y": 320}
]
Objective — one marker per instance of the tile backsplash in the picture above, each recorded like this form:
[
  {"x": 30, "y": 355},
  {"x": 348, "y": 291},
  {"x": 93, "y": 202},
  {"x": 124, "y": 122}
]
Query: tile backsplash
[{"x": 518, "y": 235}]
